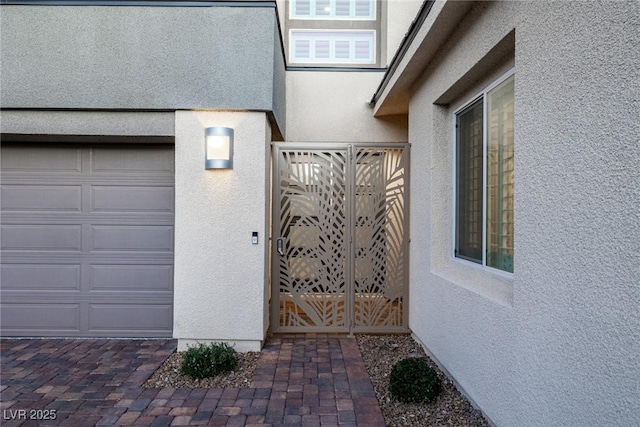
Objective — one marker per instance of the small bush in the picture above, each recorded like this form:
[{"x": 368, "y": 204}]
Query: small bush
[
  {"x": 413, "y": 381},
  {"x": 206, "y": 361}
]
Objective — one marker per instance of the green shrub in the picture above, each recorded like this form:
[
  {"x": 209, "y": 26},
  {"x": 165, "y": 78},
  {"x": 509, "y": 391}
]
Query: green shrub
[
  {"x": 206, "y": 361},
  {"x": 413, "y": 381}
]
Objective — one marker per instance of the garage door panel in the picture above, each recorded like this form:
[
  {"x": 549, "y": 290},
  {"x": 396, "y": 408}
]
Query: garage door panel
[
  {"x": 131, "y": 278},
  {"x": 132, "y": 199},
  {"x": 137, "y": 160},
  {"x": 123, "y": 317},
  {"x": 132, "y": 238},
  {"x": 39, "y": 198},
  {"x": 24, "y": 318},
  {"x": 26, "y": 277},
  {"x": 41, "y": 159},
  {"x": 41, "y": 237},
  {"x": 87, "y": 240}
]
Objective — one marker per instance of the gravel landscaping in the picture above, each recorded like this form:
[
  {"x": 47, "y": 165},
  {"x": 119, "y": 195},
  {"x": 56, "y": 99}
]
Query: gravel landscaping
[
  {"x": 380, "y": 353},
  {"x": 168, "y": 374}
]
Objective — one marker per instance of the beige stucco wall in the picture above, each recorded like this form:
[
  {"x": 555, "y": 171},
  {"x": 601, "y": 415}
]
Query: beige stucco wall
[
  {"x": 332, "y": 106},
  {"x": 556, "y": 344},
  {"x": 220, "y": 276},
  {"x": 325, "y": 106},
  {"x": 281, "y": 5},
  {"x": 400, "y": 14}
]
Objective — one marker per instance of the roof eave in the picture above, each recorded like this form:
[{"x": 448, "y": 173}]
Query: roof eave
[{"x": 429, "y": 30}]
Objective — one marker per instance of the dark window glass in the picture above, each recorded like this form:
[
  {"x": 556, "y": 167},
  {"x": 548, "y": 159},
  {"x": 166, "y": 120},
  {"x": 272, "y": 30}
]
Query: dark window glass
[{"x": 469, "y": 189}]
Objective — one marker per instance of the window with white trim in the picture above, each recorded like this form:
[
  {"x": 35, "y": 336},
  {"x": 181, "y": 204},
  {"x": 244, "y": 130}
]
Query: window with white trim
[
  {"x": 485, "y": 178},
  {"x": 331, "y": 47},
  {"x": 333, "y": 9}
]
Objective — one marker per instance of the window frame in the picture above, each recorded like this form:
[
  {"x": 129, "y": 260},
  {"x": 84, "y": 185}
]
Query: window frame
[
  {"x": 332, "y": 16},
  {"x": 332, "y": 60},
  {"x": 485, "y": 131}
]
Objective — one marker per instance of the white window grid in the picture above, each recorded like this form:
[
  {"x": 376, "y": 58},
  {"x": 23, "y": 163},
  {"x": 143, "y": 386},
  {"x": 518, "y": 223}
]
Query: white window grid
[
  {"x": 332, "y": 46},
  {"x": 364, "y": 10}
]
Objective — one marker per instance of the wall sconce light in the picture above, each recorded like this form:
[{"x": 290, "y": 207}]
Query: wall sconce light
[{"x": 218, "y": 148}]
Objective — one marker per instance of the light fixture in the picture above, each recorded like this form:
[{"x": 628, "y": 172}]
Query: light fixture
[{"x": 218, "y": 148}]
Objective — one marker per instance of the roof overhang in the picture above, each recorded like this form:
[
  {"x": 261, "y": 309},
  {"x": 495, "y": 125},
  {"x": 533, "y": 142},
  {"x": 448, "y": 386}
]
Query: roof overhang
[{"x": 435, "y": 21}]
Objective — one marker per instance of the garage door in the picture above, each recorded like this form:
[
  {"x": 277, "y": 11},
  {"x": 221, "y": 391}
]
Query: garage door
[{"x": 87, "y": 240}]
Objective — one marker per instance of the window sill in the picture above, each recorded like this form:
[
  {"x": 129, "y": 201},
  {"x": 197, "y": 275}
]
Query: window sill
[{"x": 495, "y": 286}]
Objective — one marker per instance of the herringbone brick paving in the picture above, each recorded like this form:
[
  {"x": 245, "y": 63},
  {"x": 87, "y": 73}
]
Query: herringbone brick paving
[{"x": 299, "y": 381}]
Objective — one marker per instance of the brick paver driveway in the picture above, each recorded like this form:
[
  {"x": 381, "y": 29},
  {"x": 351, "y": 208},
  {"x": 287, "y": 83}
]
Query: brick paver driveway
[{"x": 299, "y": 381}]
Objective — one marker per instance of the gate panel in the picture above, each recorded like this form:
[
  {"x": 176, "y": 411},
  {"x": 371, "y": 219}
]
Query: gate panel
[
  {"x": 340, "y": 250},
  {"x": 380, "y": 243},
  {"x": 312, "y": 241}
]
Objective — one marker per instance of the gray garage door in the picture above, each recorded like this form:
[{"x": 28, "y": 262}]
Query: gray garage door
[{"x": 87, "y": 240}]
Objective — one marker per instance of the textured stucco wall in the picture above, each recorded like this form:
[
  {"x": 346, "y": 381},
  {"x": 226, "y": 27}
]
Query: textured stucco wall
[
  {"x": 219, "y": 274},
  {"x": 332, "y": 107},
  {"x": 400, "y": 14},
  {"x": 279, "y": 84},
  {"x": 281, "y": 4},
  {"x": 556, "y": 345},
  {"x": 87, "y": 123},
  {"x": 578, "y": 202},
  {"x": 137, "y": 57}
]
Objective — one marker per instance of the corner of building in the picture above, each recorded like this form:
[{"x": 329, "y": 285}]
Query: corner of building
[{"x": 219, "y": 273}]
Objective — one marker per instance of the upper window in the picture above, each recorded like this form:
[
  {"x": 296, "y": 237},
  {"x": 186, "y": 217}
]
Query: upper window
[
  {"x": 484, "y": 178},
  {"x": 333, "y": 9},
  {"x": 327, "y": 47}
]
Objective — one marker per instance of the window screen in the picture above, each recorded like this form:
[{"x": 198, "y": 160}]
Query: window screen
[{"x": 469, "y": 191}]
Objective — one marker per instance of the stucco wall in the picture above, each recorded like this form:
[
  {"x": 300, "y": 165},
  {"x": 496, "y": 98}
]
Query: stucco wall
[
  {"x": 279, "y": 86},
  {"x": 556, "y": 345},
  {"x": 87, "y": 123},
  {"x": 219, "y": 274},
  {"x": 332, "y": 107},
  {"x": 400, "y": 14},
  {"x": 150, "y": 58}
]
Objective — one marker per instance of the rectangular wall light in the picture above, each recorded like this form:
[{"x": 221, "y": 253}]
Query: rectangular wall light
[{"x": 218, "y": 148}]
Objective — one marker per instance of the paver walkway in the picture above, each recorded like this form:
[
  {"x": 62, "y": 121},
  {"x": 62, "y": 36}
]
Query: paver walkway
[{"x": 299, "y": 381}]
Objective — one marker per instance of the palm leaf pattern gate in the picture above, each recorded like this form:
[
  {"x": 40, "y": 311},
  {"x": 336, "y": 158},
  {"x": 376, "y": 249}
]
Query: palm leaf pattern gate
[{"x": 340, "y": 249}]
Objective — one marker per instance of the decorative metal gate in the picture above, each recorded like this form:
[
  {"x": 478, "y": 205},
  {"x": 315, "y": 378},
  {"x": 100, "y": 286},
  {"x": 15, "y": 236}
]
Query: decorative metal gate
[{"x": 339, "y": 243}]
